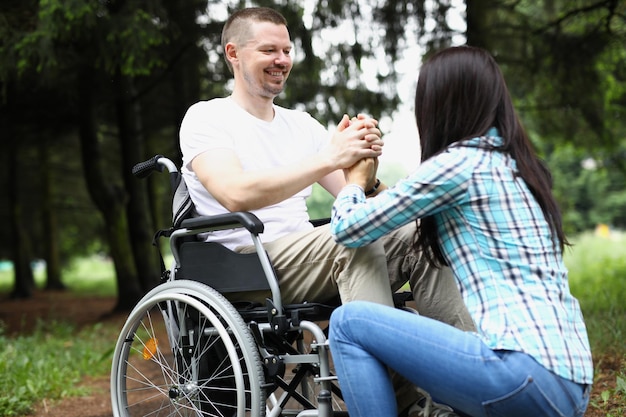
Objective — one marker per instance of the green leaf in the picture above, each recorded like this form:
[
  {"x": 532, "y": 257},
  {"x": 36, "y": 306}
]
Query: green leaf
[{"x": 620, "y": 386}]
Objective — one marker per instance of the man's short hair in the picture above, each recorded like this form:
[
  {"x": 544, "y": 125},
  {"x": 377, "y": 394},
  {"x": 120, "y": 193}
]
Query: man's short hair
[{"x": 237, "y": 27}]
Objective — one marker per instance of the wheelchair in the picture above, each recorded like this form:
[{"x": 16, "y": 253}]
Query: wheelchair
[{"x": 186, "y": 350}]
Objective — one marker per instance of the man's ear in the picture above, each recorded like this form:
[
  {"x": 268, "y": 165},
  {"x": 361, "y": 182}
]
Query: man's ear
[{"x": 230, "y": 51}]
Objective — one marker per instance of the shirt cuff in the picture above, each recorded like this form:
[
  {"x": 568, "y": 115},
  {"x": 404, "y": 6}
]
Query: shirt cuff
[{"x": 352, "y": 190}]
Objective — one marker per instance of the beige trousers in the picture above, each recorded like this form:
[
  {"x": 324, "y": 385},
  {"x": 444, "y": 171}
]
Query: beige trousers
[{"x": 312, "y": 267}]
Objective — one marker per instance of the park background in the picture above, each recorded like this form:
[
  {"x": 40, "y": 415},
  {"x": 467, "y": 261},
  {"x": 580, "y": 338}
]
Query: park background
[{"x": 90, "y": 88}]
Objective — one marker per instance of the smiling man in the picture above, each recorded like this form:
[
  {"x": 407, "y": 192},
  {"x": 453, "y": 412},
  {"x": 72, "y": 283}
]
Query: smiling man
[{"x": 262, "y": 64}]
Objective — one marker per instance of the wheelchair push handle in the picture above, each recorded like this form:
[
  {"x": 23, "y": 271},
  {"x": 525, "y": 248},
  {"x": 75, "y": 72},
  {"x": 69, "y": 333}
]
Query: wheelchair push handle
[{"x": 156, "y": 163}]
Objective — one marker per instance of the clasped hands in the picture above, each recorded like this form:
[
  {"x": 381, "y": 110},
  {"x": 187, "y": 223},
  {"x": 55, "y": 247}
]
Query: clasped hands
[{"x": 362, "y": 171}]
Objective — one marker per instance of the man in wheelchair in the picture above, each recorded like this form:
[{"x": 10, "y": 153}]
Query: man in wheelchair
[{"x": 245, "y": 153}]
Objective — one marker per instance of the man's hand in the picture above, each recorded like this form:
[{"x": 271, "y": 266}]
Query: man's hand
[{"x": 354, "y": 139}]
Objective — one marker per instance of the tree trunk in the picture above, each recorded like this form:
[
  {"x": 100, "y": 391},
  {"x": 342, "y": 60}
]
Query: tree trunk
[
  {"x": 477, "y": 33},
  {"x": 50, "y": 225},
  {"x": 108, "y": 198},
  {"x": 21, "y": 255},
  {"x": 141, "y": 226},
  {"x": 185, "y": 77}
]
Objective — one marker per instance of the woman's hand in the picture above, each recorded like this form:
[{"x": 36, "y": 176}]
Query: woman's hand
[{"x": 362, "y": 173}]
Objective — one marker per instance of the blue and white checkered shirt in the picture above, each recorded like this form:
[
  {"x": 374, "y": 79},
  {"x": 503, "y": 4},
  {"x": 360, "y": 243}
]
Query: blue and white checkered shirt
[{"x": 496, "y": 240}]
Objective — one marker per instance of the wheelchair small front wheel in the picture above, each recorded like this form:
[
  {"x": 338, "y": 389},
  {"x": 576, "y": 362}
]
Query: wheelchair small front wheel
[{"x": 185, "y": 351}]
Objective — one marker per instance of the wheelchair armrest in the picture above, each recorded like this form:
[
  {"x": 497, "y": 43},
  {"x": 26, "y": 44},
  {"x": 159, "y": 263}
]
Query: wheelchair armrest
[
  {"x": 226, "y": 221},
  {"x": 320, "y": 222}
]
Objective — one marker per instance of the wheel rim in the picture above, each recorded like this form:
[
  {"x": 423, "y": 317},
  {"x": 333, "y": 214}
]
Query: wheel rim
[{"x": 158, "y": 372}]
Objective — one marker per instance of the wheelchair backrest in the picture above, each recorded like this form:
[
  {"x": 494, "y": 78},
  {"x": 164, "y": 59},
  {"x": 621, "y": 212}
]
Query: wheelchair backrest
[{"x": 182, "y": 205}]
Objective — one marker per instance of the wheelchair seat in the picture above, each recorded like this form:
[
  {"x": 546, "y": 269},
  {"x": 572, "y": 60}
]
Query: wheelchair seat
[{"x": 212, "y": 264}]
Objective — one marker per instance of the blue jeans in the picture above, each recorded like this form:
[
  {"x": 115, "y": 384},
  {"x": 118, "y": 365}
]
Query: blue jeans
[{"x": 454, "y": 366}]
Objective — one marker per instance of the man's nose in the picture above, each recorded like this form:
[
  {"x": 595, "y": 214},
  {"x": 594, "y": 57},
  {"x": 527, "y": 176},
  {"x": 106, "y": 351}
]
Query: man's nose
[{"x": 282, "y": 59}]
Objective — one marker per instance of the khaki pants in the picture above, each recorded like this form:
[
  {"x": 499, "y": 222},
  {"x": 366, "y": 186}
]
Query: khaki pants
[{"x": 312, "y": 267}]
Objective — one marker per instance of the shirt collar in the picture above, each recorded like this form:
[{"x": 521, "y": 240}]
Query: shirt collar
[{"x": 491, "y": 139}]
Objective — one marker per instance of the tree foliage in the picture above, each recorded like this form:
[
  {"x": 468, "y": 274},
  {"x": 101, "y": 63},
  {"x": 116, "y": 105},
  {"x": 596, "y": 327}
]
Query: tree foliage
[{"x": 566, "y": 64}]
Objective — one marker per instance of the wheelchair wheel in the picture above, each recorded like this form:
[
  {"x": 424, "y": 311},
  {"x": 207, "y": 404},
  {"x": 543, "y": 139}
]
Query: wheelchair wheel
[{"x": 185, "y": 350}]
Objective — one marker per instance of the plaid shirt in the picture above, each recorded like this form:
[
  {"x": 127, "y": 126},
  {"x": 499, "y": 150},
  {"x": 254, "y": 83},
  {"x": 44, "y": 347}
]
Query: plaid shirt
[{"x": 496, "y": 240}]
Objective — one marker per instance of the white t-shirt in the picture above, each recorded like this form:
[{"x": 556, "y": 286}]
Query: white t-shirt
[{"x": 220, "y": 123}]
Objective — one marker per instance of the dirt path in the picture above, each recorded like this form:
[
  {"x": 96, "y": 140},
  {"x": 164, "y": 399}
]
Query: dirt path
[
  {"x": 22, "y": 316},
  {"x": 97, "y": 404}
]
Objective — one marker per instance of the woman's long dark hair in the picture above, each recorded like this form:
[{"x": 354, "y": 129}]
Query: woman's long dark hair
[{"x": 460, "y": 94}]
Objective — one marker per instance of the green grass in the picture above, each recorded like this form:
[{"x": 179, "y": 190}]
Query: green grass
[
  {"x": 597, "y": 272},
  {"x": 50, "y": 362}
]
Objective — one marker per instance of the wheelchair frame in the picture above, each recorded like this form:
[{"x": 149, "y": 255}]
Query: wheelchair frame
[{"x": 185, "y": 349}]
